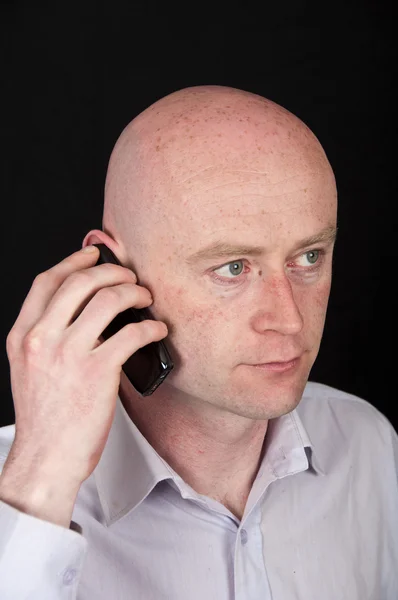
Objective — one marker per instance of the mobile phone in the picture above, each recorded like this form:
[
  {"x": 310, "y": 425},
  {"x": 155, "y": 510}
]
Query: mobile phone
[{"x": 149, "y": 366}]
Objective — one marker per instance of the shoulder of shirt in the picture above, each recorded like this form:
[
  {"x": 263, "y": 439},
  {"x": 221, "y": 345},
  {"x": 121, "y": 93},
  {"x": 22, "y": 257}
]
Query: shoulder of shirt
[
  {"x": 322, "y": 393},
  {"x": 328, "y": 410},
  {"x": 7, "y": 435}
]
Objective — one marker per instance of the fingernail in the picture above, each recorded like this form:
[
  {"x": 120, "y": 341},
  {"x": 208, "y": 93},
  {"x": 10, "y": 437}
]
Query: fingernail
[{"x": 89, "y": 249}]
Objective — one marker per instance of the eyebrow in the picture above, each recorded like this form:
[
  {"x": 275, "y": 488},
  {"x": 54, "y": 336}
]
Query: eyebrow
[{"x": 225, "y": 249}]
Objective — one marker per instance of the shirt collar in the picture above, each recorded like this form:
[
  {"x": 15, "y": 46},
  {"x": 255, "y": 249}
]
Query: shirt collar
[
  {"x": 130, "y": 468},
  {"x": 285, "y": 441}
]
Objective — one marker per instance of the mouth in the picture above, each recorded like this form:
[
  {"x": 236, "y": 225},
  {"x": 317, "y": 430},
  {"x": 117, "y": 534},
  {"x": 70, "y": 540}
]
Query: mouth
[{"x": 279, "y": 366}]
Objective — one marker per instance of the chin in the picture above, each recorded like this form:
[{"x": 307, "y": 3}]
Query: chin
[
  {"x": 266, "y": 398},
  {"x": 264, "y": 407}
]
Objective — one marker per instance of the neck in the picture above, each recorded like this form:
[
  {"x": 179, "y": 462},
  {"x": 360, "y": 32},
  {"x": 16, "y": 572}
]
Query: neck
[{"x": 216, "y": 452}]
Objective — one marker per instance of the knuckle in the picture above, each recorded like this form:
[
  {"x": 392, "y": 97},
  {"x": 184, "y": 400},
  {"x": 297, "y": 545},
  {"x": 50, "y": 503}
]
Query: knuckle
[
  {"x": 131, "y": 328},
  {"x": 33, "y": 341},
  {"x": 40, "y": 278},
  {"x": 141, "y": 332},
  {"x": 109, "y": 267},
  {"x": 117, "y": 269},
  {"x": 79, "y": 278},
  {"x": 150, "y": 327},
  {"x": 10, "y": 342},
  {"x": 113, "y": 269},
  {"x": 130, "y": 273},
  {"x": 135, "y": 329},
  {"x": 108, "y": 295}
]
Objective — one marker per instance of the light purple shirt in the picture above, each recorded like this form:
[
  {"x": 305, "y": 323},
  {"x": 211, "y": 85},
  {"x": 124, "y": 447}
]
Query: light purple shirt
[{"x": 321, "y": 521}]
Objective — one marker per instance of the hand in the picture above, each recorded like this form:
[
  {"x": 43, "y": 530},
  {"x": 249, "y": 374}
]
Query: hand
[{"x": 64, "y": 379}]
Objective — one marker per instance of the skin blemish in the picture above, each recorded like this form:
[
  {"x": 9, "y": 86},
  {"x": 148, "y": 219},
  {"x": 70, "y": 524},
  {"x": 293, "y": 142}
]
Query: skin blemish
[{"x": 260, "y": 273}]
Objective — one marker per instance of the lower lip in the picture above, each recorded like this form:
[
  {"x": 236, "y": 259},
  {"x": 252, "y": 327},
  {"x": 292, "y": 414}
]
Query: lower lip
[{"x": 278, "y": 367}]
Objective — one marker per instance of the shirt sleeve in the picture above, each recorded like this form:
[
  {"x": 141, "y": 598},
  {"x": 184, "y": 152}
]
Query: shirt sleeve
[{"x": 39, "y": 560}]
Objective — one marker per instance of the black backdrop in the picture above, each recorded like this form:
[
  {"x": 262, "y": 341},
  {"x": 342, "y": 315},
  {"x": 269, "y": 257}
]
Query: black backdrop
[{"x": 75, "y": 74}]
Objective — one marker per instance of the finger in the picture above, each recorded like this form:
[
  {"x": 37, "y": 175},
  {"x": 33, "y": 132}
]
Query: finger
[
  {"x": 102, "y": 309},
  {"x": 43, "y": 289},
  {"x": 119, "y": 347}
]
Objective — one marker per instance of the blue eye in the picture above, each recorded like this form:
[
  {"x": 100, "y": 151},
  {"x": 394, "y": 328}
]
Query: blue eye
[
  {"x": 312, "y": 256},
  {"x": 233, "y": 268},
  {"x": 306, "y": 265}
]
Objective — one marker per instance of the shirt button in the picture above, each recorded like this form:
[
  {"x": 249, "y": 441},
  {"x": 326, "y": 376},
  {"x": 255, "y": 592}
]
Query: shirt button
[
  {"x": 69, "y": 576},
  {"x": 243, "y": 536}
]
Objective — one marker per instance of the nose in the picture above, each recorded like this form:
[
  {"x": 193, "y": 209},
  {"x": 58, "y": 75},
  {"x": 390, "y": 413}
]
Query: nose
[{"x": 278, "y": 310}]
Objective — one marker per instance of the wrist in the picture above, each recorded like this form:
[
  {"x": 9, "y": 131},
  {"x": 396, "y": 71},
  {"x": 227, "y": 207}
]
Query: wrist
[{"x": 34, "y": 490}]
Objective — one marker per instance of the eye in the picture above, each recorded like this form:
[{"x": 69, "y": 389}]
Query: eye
[
  {"x": 312, "y": 256},
  {"x": 234, "y": 268},
  {"x": 309, "y": 261}
]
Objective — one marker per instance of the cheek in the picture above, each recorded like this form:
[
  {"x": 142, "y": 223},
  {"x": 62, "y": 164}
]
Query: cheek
[
  {"x": 195, "y": 329},
  {"x": 321, "y": 295},
  {"x": 186, "y": 316},
  {"x": 313, "y": 304}
]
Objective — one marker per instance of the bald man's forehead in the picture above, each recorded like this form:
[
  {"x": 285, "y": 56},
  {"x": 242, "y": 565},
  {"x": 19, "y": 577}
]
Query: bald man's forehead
[
  {"x": 247, "y": 154},
  {"x": 186, "y": 179},
  {"x": 204, "y": 147},
  {"x": 246, "y": 211},
  {"x": 226, "y": 193}
]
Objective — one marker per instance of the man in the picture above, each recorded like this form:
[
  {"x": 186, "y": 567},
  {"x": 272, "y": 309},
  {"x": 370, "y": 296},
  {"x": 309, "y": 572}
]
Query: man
[{"x": 237, "y": 478}]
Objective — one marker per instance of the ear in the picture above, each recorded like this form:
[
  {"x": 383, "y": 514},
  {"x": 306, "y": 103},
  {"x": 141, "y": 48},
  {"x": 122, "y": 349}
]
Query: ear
[{"x": 96, "y": 236}]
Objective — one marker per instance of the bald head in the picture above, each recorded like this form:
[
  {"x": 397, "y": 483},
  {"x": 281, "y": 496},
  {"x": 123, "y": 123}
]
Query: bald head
[
  {"x": 224, "y": 205},
  {"x": 177, "y": 155}
]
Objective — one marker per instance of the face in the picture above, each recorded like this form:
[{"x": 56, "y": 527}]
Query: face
[{"x": 234, "y": 307}]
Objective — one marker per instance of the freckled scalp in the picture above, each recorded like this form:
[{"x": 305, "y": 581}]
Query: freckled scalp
[{"x": 166, "y": 153}]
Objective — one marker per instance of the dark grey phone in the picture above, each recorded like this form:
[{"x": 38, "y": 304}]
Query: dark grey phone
[{"x": 148, "y": 367}]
